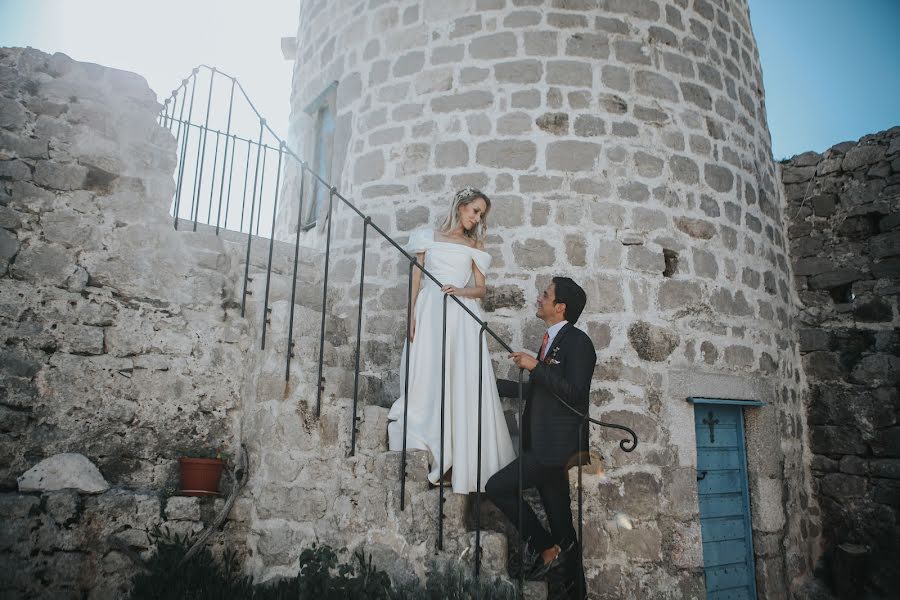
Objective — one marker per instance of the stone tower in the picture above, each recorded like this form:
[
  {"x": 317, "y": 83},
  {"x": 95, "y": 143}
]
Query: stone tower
[{"x": 623, "y": 143}]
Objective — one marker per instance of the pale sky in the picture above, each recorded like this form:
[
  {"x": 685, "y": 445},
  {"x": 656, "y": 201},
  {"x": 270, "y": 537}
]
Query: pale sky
[
  {"x": 831, "y": 67},
  {"x": 164, "y": 39}
]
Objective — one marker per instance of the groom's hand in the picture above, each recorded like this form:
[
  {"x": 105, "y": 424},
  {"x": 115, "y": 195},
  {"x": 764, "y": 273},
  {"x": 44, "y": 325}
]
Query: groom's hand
[{"x": 523, "y": 360}]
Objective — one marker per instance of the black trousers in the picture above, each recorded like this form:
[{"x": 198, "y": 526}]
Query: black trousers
[{"x": 552, "y": 484}]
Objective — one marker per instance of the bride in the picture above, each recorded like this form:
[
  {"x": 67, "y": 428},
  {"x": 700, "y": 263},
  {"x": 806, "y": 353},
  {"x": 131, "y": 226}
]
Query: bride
[{"x": 454, "y": 255}]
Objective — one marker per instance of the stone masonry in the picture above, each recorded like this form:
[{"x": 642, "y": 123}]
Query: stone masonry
[
  {"x": 123, "y": 346},
  {"x": 844, "y": 212},
  {"x": 623, "y": 143}
]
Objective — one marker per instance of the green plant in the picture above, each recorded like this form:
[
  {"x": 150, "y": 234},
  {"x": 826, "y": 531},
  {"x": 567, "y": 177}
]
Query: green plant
[
  {"x": 456, "y": 583},
  {"x": 202, "y": 578},
  {"x": 321, "y": 576},
  {"x": 204, "y": 451}
]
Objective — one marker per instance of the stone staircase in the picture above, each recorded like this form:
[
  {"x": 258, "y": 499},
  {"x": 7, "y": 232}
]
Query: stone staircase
[{"x": 303, "y": 483}]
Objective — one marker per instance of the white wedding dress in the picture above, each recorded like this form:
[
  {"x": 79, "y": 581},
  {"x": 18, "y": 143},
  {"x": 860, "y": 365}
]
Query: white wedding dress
[{"x": 451, "y": 264}]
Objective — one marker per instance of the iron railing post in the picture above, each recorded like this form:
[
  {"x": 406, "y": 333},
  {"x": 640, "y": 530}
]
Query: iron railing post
[
  {"x": 440, "y": 542},
  {"x": 184, "y": 144},
  {"x": 225, "y": 160},
  {"x": 246, "y": 177},
  {"x": 290, "y": 346},
  {"x": 213, "y": 178},
  {"x": 234, "y": 140},
  {"x": 578, "y": 545},
  {"x": 409, "y": 314},
  {"x": 262, "y": 123},
  {"x": 262, "y": 187},
  {"x": 359, "y": 333},
  {"x": 521, "y": 496},
  {"x": 481, "y": 344},
  {"x": 174, "y": 109},
  {"x": 266, "y": 309},
  {"x": 201, "y": 155},
  {"x": 320, "y": 382}
]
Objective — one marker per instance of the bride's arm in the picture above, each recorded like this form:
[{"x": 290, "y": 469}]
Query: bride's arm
[{"x": 478, "y": 291}]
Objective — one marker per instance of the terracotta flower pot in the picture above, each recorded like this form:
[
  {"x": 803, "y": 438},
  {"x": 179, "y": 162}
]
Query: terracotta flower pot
[{"x": 200, "y": 476}]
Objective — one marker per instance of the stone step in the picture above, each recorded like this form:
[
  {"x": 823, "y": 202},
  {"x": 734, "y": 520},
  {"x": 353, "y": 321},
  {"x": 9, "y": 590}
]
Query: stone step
[
  {"x": 235, "y": 245},
  {"x": 305, "y": 292}
]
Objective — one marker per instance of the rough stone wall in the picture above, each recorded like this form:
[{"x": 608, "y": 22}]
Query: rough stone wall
[
  {"x": 122, "y": 340},
  {"x": 844, "y": 212},
  {"x": 114, "y": 341},
  {"x": 623, "y": 143}
]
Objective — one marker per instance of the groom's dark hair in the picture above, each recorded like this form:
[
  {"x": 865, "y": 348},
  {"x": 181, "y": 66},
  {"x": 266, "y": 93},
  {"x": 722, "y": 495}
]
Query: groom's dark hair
[{"x": 569, "y": 293}]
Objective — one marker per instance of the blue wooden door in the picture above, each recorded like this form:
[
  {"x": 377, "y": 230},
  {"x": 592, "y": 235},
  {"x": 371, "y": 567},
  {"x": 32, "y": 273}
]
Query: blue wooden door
[{"x": 724, "y": 502}]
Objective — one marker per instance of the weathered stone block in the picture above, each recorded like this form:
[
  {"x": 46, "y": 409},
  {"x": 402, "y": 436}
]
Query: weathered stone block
[
  {"x": 435, "y": 80},
  {"x": 684, "y": 169},
  {"x": 674, "y": 294},
  {"x": 575, "y": 250},
  {"x": 655, "y": 85},
  {"x": 568, "y": 72},
  {"x": 534, "y": 253},
  {"x": 183, "y": 508},
  {"x": 556, "y": 123},
  {"x": 409, "y": 64},
  {"x": 473, "y": 100},
  {"x": 642, "y": 9},
  {"x": 834, "y": 278},
  {"x": 63, "y": 471},
  {"x": 885, "y": 245},
  {"x": 451, "y": 154},
  {"x": 677, "y": 63},
  {"x": 519, "y": 71},
  {"x": 60, "y": 176},
  {"x": 447, "y": 54},
  {"x": 739, "y": 356},
  {"x": 494, "y": 46},
  {"x": 12, "y": 145},
  {"x": 877, "y": 370},
  {"x": 634, "y": 192},
  {"x": 862, "y": 156},
  {"x": 12, "y": 114},
  {"x": 705, "y": 263},
  {"x": 718, "y": 178},
  {"x": 696, "y": 228},
  {"x": 522, "y": 18},
  {"x": 824, "y": 366},
  {"x": 652, "y": 342},
  {"x": 572, "y": 155},
  {"x": 42, "y": 263},
  {"x": 503, "y": 296},
  {"x": 590, "y": 45},
  {"x": 411, "y": 218},
  {"x": 369, "y": 167},
  {"x": 465, "y": 26},
  {"x": 629, "y": 52},
  {"x": 506, "y": 154},
  {"x": 473, "y": 75},
  {"x": 541, "y": 43},
  {"x": 589, "y": 126},
  {"x": 617, "y": 78}
]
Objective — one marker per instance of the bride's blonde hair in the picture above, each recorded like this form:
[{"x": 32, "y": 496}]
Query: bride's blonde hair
[{"x": 463, "y": 197}]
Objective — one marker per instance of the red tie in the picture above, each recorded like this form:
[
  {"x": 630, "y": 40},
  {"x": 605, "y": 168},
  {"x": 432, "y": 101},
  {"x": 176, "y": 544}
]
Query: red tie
[{"x": 544, "y": 345}]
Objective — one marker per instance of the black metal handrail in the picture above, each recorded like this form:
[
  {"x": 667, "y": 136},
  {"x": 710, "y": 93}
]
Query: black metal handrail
[{"x": 182, "y": 133}]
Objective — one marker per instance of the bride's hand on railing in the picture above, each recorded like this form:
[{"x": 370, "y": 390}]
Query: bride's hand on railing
[{"x": 452, "y": 290}]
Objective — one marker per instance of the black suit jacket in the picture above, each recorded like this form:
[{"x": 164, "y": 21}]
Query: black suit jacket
[{"x": 550, "y": 430}]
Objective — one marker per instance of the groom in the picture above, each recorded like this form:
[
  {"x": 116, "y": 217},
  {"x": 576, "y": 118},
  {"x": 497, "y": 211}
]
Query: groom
[{"x": 562, "y": 370}]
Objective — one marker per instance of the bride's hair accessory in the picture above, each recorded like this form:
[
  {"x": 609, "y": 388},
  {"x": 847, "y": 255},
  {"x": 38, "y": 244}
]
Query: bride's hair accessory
[{"x": 465, "y": 196}]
